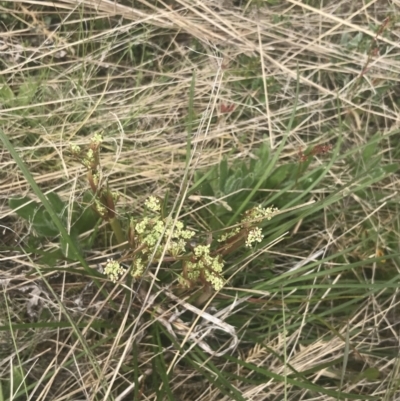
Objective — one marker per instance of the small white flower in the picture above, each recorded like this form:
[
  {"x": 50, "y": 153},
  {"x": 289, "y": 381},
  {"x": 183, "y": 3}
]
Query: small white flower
[
  {"x": 152, "y": 203},
  {"x": 75, "y": 148},
  {"x": 137, "y": 268},
  {"x": 254, "y": 235},
  {"x": 113, "y": 270},
  {"x": 97, "y": 139}
]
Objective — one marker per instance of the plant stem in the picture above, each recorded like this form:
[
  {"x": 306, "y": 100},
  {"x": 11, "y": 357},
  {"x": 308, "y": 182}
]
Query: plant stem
[{"x": 116, "y": 227}]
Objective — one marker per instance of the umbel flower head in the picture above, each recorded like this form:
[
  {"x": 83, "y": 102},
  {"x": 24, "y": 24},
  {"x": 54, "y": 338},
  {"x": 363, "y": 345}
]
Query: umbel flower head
[
  {"x": 151, "y": 230},
  {"x": 247, "y": 231},
  {"x": 151, "y": 233},
  {"x": 205, "y": 267},
  {"x": 113, "y": 270},
  {"x": 90, "y": 157},
  {"x": 258, "y": 214},
  {"x": 154, "y": 236},
  {"x": 254, "y": 235}
]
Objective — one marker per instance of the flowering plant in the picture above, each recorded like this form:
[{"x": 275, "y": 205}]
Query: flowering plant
[{"x": 153, "y": 236}]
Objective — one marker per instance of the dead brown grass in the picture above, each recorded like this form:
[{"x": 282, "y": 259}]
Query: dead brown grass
[{"x": 88, "y": 84}]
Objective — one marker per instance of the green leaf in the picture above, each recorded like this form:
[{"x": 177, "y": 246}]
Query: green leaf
[
  {"x": 68, "y": 251},
  {"x": 191, "y": 113},
  {"x": 311, "y": 178},
  {"x": 43, "y": 223},
  {"x": 202, "y": 183},
  {"x": 231, "y": 184},
  {"x": 54, "y": 217},
  {"x": 223, "y": 172},
  {"x": 6, "y": 94},
  {"x": 263, "y": 152},
  {"x": 16, "y": 381},
  {"x": 164, "y": 211},
  {"x": 377, "y": 173},
  {"x": 35, "y": 214},
  {"x": 27, "y": 207},
  {"x": 391, "y": 168},
  {"x": 27, "y": 91},
  {"x": 85, "y": 221},
  {"x": 88, "y": 242},
  {"x": 370, "y": 374},
  {"x": 51, "y": 258},
  {"x": 55, "y": 201},
  {"x": 349, "y": 42},
  {"x": 269, "y": 166},
  {"x": 278, "y": 176},
  {"x": 369, "y": 150}
]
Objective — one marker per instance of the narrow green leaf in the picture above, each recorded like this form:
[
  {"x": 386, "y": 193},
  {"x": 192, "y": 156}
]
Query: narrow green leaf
[
  {"x": 303, "y": 384},
  {"x": 190, "y": 117},
  {"x": 6, "y": 94},
  {"x": 44, "y": 201},
  {"x": 275, "y": 158},
  {"x": 223, "y": 173},
  {"x": 278, "y": 176},
  {"x": 51, "y": 258},
  {"x": 345, "y": 356},
  {"x": 56, "y": 202},
  {"x": 369, "y": 150},
  {"x": 391, "y": 168},
  {"x": 27, "y": 91},
  {"x": 370, "y": 374}
]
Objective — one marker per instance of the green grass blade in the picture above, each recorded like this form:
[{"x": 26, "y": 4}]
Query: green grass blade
[
  {"x": 272, "y": 164},
  {"x": 44, "y": 201}
]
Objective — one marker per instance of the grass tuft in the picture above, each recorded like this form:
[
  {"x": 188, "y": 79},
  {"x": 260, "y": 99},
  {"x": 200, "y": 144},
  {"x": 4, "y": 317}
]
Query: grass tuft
[{"x": 143, "y": 140}]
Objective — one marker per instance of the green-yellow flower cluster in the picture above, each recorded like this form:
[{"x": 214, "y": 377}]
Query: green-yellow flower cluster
[
  {"x": 247, "y": 227},
  {"x": 96, "y": 139},
  {"x": 88, "y": 158},
  {"x": 153, "y": 204},
  {"x": 113, "y": 270},
  {"x": 254, "y": 235},
  {"x": 138, "y": 267},
  {"x": 153, "y": 234},
  {"x": 205, "y": 266},
  {"x": 258, "y": 213},
  {"x": 152, "y": 230}
]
